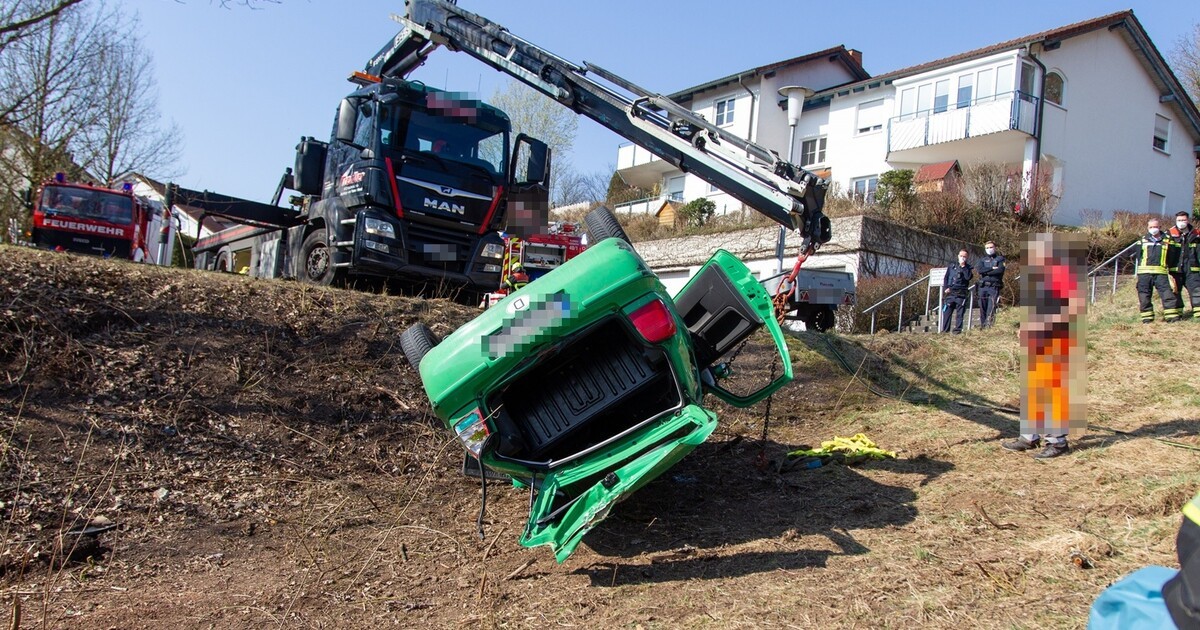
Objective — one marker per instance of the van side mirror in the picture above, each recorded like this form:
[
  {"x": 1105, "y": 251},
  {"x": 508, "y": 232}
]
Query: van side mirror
[
  {"x": 27, "y": 198},
  {"x": 346, "y": 117}
]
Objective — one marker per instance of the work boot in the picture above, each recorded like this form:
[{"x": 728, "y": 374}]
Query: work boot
[
  {"x": 1053, "y": 450},
  {"x": 1021, "y": 444}
]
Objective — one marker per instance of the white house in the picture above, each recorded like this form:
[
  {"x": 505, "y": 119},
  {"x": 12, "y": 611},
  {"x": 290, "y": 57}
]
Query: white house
[
  {"x": 1091, "y": 110},
  {"x": 745, "y": 104}
]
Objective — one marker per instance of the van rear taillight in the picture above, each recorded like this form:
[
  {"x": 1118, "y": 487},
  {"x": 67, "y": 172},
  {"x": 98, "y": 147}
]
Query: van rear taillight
[{"x": 653, "y": 321}]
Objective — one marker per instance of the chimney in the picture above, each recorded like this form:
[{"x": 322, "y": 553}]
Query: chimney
[{"x": 856, "y": 55}]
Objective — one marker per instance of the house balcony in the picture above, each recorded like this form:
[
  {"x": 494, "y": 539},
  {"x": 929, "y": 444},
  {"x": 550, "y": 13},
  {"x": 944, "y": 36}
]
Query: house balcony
[
  {"x": 641, "y": 168},
  {"x": 992, "y": 129}
]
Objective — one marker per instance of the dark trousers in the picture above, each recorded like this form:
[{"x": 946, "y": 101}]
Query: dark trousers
[
  {"x": 989, "y": 297},
  {"x": 954, "y": 303},
  {"x": 1146, "y": 284},
  {"x": 1190, "y": 280}
]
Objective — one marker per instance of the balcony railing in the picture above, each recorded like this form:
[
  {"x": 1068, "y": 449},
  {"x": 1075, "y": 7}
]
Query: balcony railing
[
  {"x": 646, "y": 205},
  {"x": 630, "y": 155},
  {"x": 986, "y": 115}
]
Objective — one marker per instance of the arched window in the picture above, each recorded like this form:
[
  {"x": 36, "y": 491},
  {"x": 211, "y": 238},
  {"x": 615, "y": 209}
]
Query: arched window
[{"x": 1054, "y": 88}]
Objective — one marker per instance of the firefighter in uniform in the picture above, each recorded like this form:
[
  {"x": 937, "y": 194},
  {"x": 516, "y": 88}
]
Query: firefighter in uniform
[
  {"x": 516, "y": 278},
  {"x": 1182, "y": 592},
  {"x": 957, "y": 283},
  {"x": 991, "y": 280},
  {"x": 1155, "y": 596},
  {"x": 1188, "y": 272},
  {"x": 1154, "y": 262}
]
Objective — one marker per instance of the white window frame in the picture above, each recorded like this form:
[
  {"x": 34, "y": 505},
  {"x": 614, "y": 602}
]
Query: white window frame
[
  {"x": 1157, "y": 204},
  {"x": 870, "y": 184},
  {"x": 875, "y": 108},
  {"x": 682, "y": 179},
  {"x": 1062, "y": 92},
  {"x": 819, "y": 146},
  {"x": 1164, "y": 137},
  {"x": 724, "y": 111}
]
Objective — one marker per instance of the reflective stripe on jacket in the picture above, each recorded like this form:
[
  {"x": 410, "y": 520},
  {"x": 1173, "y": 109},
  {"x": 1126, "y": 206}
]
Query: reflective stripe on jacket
[{"x": 1154, "y": 256}]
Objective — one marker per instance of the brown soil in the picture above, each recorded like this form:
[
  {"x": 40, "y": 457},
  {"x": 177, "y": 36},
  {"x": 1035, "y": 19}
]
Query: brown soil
[{"x": 265, "y": 457}]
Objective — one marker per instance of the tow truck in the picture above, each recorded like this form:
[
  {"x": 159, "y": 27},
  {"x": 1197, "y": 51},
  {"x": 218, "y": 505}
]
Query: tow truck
[
  {"x": 414, "y": 184},
  {"x": 590, "y": 381},
  {"x": 89, "y": 219}
]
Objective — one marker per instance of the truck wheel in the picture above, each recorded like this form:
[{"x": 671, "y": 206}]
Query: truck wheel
[
  {"x": 601, "y": 224},
  {"x": 823, "y": 320},
  {"x": 416, "y": 342},
  {"x": 317, "y": 261},
  {"x": 224, "y": 261}
]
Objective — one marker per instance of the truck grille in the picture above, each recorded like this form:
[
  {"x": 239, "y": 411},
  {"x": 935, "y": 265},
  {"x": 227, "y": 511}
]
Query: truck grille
[
  {"x": 462, "y": 245},
  {"x": 595, "y": 389}
]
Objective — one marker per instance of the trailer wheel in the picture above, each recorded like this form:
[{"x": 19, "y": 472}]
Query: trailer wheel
[
  {"x": 317, "y": 260},
  {"x": 602, "y": 224},
  {"x": 823, "y": 319},
  {"x": 224, "y": 262},
  {"x": 416, "y": 342}
]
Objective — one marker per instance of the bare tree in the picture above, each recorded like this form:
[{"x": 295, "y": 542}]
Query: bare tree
[
  {"x": 47, "y": 80},
  {"x": 572, "y": 186},
  {"x": 21, "y": 17},
  {"x": 126, "y": 133},
  {"x": 1186, "y": 60},
  {"x": 539, "y": 116}
]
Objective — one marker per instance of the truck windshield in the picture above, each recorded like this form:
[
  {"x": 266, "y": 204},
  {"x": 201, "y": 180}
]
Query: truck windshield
[
  {"x": 452, "y": 140},
  {"x": 88, "y": 204}
]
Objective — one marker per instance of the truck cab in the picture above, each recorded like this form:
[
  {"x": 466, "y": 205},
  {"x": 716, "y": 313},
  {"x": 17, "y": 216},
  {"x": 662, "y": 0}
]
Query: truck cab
[
  {"x": 99, "y": 221},
  {"x": 415, "y": 184}
]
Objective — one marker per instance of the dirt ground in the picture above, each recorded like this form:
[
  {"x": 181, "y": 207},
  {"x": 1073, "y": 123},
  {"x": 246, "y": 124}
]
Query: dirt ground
[{"x": 258, "y": 454}]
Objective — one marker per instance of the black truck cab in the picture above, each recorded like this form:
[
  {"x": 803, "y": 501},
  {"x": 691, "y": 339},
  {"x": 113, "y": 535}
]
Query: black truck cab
[{"x": 414, "y": 183}]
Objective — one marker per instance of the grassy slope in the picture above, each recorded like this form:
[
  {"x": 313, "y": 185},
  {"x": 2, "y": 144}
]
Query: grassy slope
[{"x": 358, "y": 518}]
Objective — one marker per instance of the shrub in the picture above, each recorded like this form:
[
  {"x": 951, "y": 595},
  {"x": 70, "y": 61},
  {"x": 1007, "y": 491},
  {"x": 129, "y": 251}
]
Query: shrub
[
  {"x": 895, "y": 191},
  {"x": 697, "y": 212}
]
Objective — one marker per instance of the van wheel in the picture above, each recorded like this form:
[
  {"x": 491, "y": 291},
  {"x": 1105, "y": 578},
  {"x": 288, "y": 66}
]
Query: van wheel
[
  {"x": 316, "y": 258},
  {"x": 416, "y": 342},
  {"x": 602, "y": 224},
  {"x": 823, "y": 320}
]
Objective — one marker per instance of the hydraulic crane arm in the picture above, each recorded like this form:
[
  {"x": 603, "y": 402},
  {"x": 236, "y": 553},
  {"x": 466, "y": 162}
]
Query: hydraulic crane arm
[{"x": 787, "y": 193}]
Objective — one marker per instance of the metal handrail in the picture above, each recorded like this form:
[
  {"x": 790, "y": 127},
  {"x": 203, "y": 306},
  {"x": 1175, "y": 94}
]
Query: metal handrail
[
  {"x": 1097, "y": 268},
  {"x": 877, "y": 304},
  {"x": 1114, "y": 261}
]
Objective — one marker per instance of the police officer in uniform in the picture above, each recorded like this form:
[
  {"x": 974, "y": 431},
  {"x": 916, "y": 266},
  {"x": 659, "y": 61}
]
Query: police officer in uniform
[
  {"x": 1155, "y": 257},
  {"x": 991, "y": 280},
  {"x": 956, "y": 284},
  {"x": 1188, "y": 272}
]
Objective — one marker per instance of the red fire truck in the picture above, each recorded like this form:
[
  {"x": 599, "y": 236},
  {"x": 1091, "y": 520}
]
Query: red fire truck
[
  {"x": 100, "y": 221},
  {"x": 536, "y": 255}
]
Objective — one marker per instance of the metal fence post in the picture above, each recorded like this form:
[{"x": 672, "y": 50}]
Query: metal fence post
[
  {"x": 900, "y": 318},
  {"x": 970, "y": 306},
  {"x": 872, "y": 322}
]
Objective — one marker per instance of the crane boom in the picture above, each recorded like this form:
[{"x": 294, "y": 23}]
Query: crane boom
[{"x": 786, "y": 193}]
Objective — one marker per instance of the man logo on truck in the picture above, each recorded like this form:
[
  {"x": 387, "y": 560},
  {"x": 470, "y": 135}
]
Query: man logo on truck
[{"x": 445, "y": 206}]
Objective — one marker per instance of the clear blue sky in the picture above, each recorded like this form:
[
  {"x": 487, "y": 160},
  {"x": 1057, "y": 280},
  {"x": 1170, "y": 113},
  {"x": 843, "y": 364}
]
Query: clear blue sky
[{"x": 244, "y": 85}]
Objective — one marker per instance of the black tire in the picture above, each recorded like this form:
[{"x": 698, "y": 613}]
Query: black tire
[
  {"x": 416, "y": 342},
  {"x": 316, "y": 261},
  {"x": 601, "y": 225},
  {"x": 823, "y": 319}
]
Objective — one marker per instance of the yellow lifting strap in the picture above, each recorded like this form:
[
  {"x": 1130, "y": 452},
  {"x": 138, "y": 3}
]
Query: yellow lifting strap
[{"x": 855, "y": 448}]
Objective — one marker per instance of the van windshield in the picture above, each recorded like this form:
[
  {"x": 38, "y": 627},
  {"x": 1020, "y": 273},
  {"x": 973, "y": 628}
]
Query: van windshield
[{"x": 88, "y": 204}]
